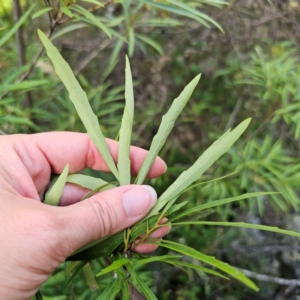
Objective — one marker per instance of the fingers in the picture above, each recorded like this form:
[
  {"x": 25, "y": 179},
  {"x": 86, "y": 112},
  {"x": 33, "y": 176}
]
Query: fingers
[
  {"x": 79, "y": 152},
  {"x": 103, "y": 214}
]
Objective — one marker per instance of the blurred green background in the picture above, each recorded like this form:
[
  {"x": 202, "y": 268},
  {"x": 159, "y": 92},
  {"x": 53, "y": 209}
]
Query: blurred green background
[{"x": 251, "y": 69}]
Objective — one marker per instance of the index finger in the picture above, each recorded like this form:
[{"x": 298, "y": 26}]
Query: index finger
[{"x": 77, "y": 149}]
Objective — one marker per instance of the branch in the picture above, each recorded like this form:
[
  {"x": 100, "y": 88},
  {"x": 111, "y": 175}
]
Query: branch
[{"x": 263, "y": 277}]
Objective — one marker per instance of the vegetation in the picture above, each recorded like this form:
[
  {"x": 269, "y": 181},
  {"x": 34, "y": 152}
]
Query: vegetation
[{"x": 262, "y": 85}]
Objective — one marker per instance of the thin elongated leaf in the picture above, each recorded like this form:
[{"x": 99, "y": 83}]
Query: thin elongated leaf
[
  {"x": 11, "y": 32},
  {"x": 195, "y": 12},
  {"x": 214, "y": 152},
  {"x": 77, "y": 269},
  {"x": 89, "y": 182},
  {"x": 129, "y": 93},
  {"x": 195, "y": 267},
  {"x": 209, "y": 260},
  {"x": 242, "y": 225},
  {"x": 90, "y": 277},
  {"x": 80, "y": 101},
  {"x": 177, "y": 11},
  {"x": 151, "y": 43},
  {"x": 52, "y": 197},
  {"x": 124, "y": 149},
  {"x": 24, "y": 85},
  {"x": 67, "y": 29},
  {"x": 176, "y": 207},
  {"x": 94, "y": 2},
  {"x": 144, "y": 288},
  {"x": 192, "y": 216},
  {"x": 126, "y": 129},
  {"x": 131, "y": 41},
  {"x": 111, "y": 290},
  {"x": 115, "y": 265},
  {"x": 106, "y": 246},
  {"x": 165, "y": 128},
  {"x": 41, "y": 12},
  {"x": 143, "y": 261},
  {"x": 231, "y": 199},
  {"x": 94, "y": 20}
]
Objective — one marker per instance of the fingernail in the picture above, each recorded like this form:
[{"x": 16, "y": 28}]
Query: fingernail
[{"x": 139, "y": 200}]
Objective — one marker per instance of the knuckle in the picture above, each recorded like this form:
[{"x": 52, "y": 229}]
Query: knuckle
[{"x": 105, "y": 216}]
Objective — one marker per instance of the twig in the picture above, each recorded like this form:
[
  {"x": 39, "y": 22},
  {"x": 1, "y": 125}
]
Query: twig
[
  {"x": 19, "y": 33},
  {"x": 226, "y": 10},
  {"x": 268, "y": 278}
]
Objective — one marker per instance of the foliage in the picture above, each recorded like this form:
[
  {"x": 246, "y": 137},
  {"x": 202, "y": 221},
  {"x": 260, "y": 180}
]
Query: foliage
[{"x": 266, "y": 81}]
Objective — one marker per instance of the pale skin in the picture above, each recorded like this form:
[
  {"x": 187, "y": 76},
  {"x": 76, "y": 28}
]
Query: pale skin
[{"x": 36, "y": 238}]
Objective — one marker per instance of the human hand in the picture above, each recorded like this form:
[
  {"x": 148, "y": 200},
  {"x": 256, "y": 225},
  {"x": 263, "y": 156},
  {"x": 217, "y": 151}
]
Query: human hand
[{"x": 36, "y": 238}]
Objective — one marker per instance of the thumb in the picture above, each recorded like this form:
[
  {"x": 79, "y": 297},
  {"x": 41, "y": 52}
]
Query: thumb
[{"x": 105, "y": 214}]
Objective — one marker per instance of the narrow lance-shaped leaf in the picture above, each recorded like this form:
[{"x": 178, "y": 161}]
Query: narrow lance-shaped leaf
[
  {"x": 209, "y": 260},
  {"x": 11, "y": 32},
  {"x": 129, "y": 94},
  {"x": 77, "y": 269},
  {"x": 52, "y": 197},
  {"x": 195, "y": 12},
  {"x": 124, "y": 149},
  {"x": 89, "y": 182},
  {"x": 144, "y": 288},
  {"x": 126, "y": 129},
  {"x": 94, "y": 20},
  {"x": 165, "y": 128},
  {"x": 115, "y": 265},
  {"x": 186, "y": 178},
  {"x": 242, "y": 225},
  {"x": 111, "y": 290},
  {"x": 80, "y": 101},
  {"x": 193, "y": 266}
]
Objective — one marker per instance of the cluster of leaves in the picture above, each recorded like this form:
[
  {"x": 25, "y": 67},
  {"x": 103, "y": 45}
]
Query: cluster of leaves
[{"x": 111, "y": 247}]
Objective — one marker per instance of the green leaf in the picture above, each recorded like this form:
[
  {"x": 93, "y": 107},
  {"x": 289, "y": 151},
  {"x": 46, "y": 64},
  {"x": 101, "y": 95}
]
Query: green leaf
[
  {"x": 52, "y": 197},
  {"x": 90, "y": 278},
  {"x": 176, "y": 207},
  {"x": 41, "y": 12},
  {"x": 177, "y": 11},
  {"x": 89, "y": 182},
  {"x": 94, "y": 2},
  {"x": 195, "y": 12},
  {"x": 195, "y": 267},
  {"x": 144, "y": 288},
  {"x": 107, "y": 245},
  {"x": 143, "y": 261},
  {"x": 195, "y": 215},
  {"x": 111, "y": 290},
  {"x": 186, "y": 178},
  {"x": 77, "y": 269},
  {"x": 151, "y": 43},
  {"x": 209, "y": 260},
  {"x": 165, "y": 128},
  {"x": 115, "y": 265},
  {"x": 67, "y": 29},
  {"x": 242, "y": 225},
  {"x": 12, "y": 31},
  {"x": 24, "y": 85},
  {"x": 124, "y": 149},
  {"x": 129, "y": 93},
  {"x": 131, "y": 39},
  {"x": 94, "y": 20},
  {"x": 126, "y": 129},
  {"x": 80, "y": 101},
  {"x": 229, "y": 200}
]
